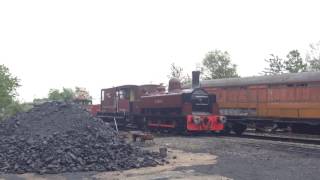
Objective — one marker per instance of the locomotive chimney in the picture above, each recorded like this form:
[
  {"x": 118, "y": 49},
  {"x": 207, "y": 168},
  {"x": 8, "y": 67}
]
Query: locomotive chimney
[{"x": 195, "y": 79}]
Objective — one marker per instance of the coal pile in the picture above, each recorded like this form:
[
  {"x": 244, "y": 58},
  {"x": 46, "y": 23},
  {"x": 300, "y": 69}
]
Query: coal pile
[{"x": 58, "y": 137}]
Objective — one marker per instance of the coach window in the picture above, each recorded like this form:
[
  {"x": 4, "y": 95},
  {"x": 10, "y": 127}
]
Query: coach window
[
  {"x": 102, "y": 95},
  {"x": 124, "y": 94},
  {"x": 302, "y": 85}
]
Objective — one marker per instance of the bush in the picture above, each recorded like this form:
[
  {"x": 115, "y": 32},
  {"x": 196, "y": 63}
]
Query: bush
[{"x": 14, "y": 108}]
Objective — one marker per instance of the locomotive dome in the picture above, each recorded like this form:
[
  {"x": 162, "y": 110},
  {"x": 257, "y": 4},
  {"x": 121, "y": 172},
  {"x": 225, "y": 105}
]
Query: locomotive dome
[{"x": 174, "y": 84}]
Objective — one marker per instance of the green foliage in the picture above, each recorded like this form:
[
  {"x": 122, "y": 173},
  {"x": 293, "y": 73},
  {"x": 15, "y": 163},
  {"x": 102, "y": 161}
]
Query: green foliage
[
  {"x": 12, "y": 109},
  {"x": 177, "y": 72},
  {"x": 40, "y": 100},
  {"x": 217, "y": 65},
  {"x": 294, "y": 62},
  {"x": 66, "y": 94},
  {"x": 8, "y": 86},
  {"x": 276, "y": 65},
  {"x": 54, "y": 94},
  {"x": 313, "y": 57}
]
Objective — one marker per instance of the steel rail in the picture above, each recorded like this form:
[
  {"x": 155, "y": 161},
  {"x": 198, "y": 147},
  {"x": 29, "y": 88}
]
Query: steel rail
[{"x": 279, "y": 138}]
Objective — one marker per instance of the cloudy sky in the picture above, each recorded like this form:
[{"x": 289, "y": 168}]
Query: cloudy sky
[{"x": 98, "y": 44}]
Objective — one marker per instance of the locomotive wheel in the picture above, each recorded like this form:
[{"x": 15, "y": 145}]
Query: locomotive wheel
[
  {"x": 181, "y": 128},
  {"x": 226, "y": 131},
  {"x": 217, "y": 133},
  {"x": 144, "y": 125},
  {"x": 186, "y": 132},
  {"x": 183, "y": 131},
  {"x": 300, "y": 128},
  {"x": 305, "y": 129},
  {"x": 239, "y": 128}
]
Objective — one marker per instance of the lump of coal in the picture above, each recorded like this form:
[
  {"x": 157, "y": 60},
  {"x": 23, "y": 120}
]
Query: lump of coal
[{"x": 58, "y": 137}]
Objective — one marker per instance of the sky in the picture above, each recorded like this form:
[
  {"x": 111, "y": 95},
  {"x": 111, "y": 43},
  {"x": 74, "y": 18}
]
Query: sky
[{"x": 100, "y": 44}]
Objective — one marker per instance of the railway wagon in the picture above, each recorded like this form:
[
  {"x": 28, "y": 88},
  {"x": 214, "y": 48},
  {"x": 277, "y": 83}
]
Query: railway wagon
[
  {"x": 151, "y": 107},
  {"x": 286, "y": 100}
]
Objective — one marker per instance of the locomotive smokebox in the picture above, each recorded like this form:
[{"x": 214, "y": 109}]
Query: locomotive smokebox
[{"x": 195, "y": 79}]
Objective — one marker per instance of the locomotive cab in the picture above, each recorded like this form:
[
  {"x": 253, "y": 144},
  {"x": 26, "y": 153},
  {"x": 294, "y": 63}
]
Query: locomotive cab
[
  {"x": 119, "y": 99},
  {"x": 120, "y": 104}
]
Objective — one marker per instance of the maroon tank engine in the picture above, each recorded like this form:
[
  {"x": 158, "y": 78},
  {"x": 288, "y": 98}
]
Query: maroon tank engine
[{"x": 150, "y": 107}]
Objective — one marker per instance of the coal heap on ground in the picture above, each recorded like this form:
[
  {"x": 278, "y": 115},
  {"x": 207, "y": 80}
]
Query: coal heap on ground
[{"x": 58, "y": 137}]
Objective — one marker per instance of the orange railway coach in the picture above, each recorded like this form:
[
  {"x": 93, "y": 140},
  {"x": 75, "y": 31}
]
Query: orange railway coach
[{"x": 286, "y": 100}]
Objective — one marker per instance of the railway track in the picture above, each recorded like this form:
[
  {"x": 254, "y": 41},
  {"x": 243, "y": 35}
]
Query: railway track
[
  {"x": 289, "y": 142},
  {"x": 298, "y": 144},
  {"x": 280, "y": 137}
]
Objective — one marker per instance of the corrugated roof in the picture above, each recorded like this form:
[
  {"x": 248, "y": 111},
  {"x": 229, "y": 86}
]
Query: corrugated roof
[{"x": 288, "y": 78}]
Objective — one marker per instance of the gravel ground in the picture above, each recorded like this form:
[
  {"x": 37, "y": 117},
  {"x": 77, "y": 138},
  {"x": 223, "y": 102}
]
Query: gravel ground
[
  {"x": 217, "y": 157},
  {"x": 240, "y": 158}
]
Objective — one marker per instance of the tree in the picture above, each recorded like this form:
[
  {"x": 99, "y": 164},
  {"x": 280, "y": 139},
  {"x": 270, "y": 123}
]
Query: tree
[
  {"x": 13, "y": 108},
  {"x": 67, "y": 94},
  {"x": 54, "y": 94},
  {"x": 276, "y": 65},
  {"x": 8, "y": 87},
  {"x": 217, "y": 65},
  {"x": 313, "y": 57},
  {"x": 82, "y": 93},
  {"x": 177, "y": 72},
  {"x": 294, "y": 62}
]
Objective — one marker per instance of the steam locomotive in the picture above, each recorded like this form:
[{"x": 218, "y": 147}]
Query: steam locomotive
[{"x": 150, "y": 107}]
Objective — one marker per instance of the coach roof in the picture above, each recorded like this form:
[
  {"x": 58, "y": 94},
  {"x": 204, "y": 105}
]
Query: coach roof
[{"x": 288, "y": 78}]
